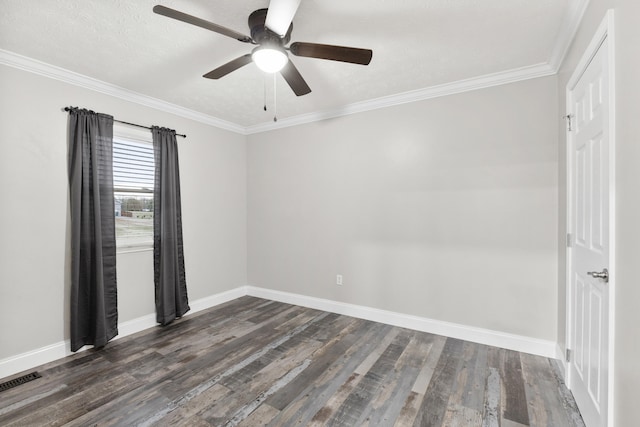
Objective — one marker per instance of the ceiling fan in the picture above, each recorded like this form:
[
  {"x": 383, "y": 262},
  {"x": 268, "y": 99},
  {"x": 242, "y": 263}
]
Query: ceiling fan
[{"x": 271, "y": 31}]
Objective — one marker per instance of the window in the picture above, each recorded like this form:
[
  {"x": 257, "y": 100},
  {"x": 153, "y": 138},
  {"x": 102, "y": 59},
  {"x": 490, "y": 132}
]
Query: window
[{"x": 133, "y": 174}]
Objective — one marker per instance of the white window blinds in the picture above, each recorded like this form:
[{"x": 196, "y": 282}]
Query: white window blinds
[{"x": 133, "y": 166}]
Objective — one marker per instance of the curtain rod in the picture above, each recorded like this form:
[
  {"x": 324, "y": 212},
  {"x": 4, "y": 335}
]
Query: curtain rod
[{"x": 130, "y": 124}]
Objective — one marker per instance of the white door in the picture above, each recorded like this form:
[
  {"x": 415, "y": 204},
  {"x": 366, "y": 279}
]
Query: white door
[{"x": 588, "y": 104}]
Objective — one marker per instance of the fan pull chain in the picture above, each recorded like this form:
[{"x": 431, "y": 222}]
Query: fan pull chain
[
  {"x": 275, "y": 105},
  {"x": 265, "y": 92}
]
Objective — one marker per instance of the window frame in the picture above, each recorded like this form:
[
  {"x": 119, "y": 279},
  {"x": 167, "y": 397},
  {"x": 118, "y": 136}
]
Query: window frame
[{"x": 127, "y": 133}]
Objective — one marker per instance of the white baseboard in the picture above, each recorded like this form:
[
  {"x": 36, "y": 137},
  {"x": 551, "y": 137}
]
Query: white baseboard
[
  {"x": 562, "y": 362},
  {"x": 217, "y": 299},
  {"x": 22, "y": 362},
  {"x": 469, "y": 333}
]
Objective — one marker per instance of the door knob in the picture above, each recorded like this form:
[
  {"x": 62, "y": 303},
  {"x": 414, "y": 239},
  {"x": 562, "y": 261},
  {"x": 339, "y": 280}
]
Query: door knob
[{"x": 604, "y": 275}]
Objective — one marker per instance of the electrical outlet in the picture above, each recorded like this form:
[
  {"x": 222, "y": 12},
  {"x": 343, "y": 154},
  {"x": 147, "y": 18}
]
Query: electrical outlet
[{"x": 339, "y": 279}]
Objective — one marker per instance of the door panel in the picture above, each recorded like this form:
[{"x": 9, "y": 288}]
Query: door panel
[{"x": 589, "y": 219}]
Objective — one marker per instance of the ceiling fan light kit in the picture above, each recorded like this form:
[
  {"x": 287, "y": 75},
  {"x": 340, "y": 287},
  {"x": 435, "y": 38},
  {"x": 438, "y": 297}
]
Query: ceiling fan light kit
[
  {"x": 271, "y": 31},
  {"x": 269, "y": 59}
]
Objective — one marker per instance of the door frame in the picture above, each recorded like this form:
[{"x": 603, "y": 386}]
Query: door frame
[{"x": 604, "y": 34}]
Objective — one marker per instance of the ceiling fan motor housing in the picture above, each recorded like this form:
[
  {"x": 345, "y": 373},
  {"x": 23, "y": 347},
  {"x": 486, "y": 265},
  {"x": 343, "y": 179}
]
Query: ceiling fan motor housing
[{"x": 261, "y": 34}]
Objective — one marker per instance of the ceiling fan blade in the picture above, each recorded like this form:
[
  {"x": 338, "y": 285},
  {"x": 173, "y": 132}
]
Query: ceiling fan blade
[
  {"x": 293, "y": 77},
  {"x": 171, "y": 13},
  {"x": 334, "y": 53},
  {"x": 280, "y": 15},
  {"x": 230, "y": 66}
]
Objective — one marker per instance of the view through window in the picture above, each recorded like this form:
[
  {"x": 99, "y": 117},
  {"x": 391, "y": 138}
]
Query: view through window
[{"x": 133, "y": 174}]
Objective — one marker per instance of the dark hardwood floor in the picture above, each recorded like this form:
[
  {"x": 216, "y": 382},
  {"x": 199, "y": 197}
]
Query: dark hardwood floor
[{"x": 254, "y": 362}]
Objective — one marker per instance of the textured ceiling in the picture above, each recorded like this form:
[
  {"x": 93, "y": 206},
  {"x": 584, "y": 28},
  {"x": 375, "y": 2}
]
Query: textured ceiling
[{"x": 416, "y": 44}]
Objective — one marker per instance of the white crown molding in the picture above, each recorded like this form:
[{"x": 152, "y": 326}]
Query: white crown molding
[
  {"x": 57, "y": 73},
  {"x": 468, "y": 333},
  {"x": 475, "y": 83},
  {"x": 41, "y": 68},
  {"x": 53, "y": 72},
  {"x": 568, "y": 29}
]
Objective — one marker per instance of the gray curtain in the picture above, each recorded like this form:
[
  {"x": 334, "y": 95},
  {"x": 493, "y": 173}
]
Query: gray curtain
[
  {"x": 94, "y": 311},
  {"x": 168, "y": 251}
]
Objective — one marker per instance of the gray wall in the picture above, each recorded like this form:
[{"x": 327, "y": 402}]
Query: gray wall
[
  {"x": 627, "y": 158},
  {"x": 34, "y": 218},
  {"x": 445, "y": 208}
]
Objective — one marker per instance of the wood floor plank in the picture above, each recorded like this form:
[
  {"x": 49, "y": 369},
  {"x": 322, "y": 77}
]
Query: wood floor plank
[
  {"x": 387, "y": 407},
  {"x": 413, "y": 402},
  {"x": 75, "y": 383},
  {"x": 474, "y": 396},
  {"x": 242, "y": 413},
  {"x": 254, "y": 362},
  {"x": 492, "y": 410},
  {"x": 74, "y": 405},
  {"x": 128, "y": 408},
  {"x": 196, "y": 406},
  {"x": 357, "y": 405},
  {"x": 348, "y": 377},
  {"x": 515, "y": 404},
  {"x": 388, "y": 404},
  {"x": 255, "y": 382},
  {"x": 339, "y": 345},
  {"x": 262, "y": 348},
  {"x": 220, "y": 358},
  {"x": 546, "y": 401},
  {"x": 458, "y": 414},
  {"x": 332, "y": 370},
  {"x": 260, "y": 417},
  {"x": 409, "y": 410},
  {"x": 436, "y": 399},
  {"x": 426, "y": 373}
]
